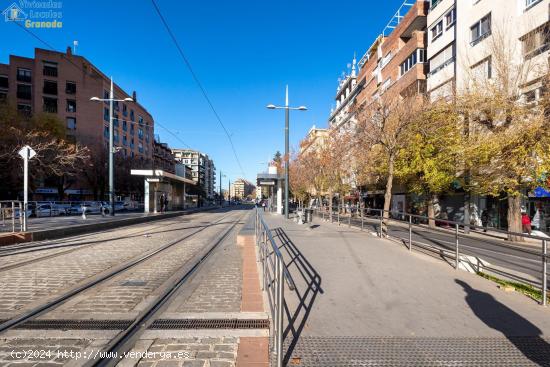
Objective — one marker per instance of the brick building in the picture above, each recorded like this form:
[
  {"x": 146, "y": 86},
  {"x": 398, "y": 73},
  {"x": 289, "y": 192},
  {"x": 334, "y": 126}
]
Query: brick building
[
  {"x": 163, "y": 158},
  {"x": 62, "y": 84}
]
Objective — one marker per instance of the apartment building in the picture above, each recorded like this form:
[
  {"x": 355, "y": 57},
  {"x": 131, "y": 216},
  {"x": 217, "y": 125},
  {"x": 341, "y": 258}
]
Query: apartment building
[
  {"x": 464, "y": 35},
  {"x": 62, "y": 84},
  {"x": 314, "y": 139},
  {"x": 442, "y": 33},
  {"x": 343, "y": 116},
  {"x": 163, "y": 158},
  {"x": 203, "y": 171},
  {"x": 396, "y": 61},
  {"x": 241, "y": 188}
]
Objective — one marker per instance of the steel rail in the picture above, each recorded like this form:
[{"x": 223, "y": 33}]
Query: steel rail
[
  {"x": 125, "y": 340},
  {"x": 20, "y": 319}
]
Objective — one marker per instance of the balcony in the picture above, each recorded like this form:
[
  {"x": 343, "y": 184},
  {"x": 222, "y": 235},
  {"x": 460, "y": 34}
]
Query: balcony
[
  {"x": 49, "y": 71},
  {"x": 50, "y": 88},
  {"x": 50, "y": 105},
  {"x": 24, "y": 91}
]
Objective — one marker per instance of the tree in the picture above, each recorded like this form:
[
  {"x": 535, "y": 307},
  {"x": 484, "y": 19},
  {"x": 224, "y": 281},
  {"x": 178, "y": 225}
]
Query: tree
[
  {"x": 508, "y": 143},
  {"x": 429, "y": 162},
  {"x": 56, "y": 157},
  {"x": 382, "y": 129}
]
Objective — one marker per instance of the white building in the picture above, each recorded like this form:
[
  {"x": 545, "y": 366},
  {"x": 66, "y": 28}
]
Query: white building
[
  {"x": 203, "y": 171},
  {"x": 461, "y": 42},
  {"x": 342, "y": 116}
]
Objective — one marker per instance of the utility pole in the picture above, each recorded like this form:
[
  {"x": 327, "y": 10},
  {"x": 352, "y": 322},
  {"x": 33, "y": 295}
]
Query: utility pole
[{"x": 229, "y": 192}]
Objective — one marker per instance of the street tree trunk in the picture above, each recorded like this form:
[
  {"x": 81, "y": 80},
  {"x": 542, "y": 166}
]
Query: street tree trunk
[
  {"x": 387, "y": 194},
  {"x": 432, "y": 200},
  {"x": 514, "y": 217}
]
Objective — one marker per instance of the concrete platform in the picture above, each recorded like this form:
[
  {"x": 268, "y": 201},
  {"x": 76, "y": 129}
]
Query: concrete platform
[{"x": 353, "y": 285}]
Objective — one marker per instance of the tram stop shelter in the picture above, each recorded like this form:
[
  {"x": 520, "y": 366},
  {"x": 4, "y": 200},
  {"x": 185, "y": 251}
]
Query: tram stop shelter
[
  {"x": 158, "y": 182},
  {"x": 271, "y": 185}
]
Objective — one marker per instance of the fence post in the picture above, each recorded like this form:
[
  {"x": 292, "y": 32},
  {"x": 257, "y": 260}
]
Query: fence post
[
  {"x": 349, "y": 220},
  {"x": 544, "y": 273},
  {"x": 12, "y": 216},
  {"x": 381, "y": 222},
  {"x": 338, "y": 214},
  {"x": 280, "y": 306},
  {"x": 457, "y": 255},
  {"x": 22, "y": 217},
  {"x": 362, "y": 218},
  {"x": 410, "y": 232}
]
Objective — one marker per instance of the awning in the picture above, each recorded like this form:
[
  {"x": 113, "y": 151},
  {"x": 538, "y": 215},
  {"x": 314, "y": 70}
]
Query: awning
[{"x": 161, "y": 174}]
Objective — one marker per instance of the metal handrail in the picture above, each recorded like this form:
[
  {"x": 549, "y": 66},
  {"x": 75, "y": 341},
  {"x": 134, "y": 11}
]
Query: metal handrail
[
  {"x": 274, "y": 275},
  {"x": 544, "y": 241}
]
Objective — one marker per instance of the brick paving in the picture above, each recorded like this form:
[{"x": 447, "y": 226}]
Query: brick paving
[
  {"x": 192, "y": 352},
  {"x": 219, "y": 290},
  {"x": 21, "y": 286}
]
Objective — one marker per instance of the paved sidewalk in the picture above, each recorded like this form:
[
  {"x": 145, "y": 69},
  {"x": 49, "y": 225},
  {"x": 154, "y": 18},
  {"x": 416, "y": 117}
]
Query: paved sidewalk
[{"x": 361, "y": 300}]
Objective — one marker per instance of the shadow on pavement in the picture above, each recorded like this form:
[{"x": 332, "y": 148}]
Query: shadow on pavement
[
  {"x": 525, "y": 336},
  {"x": 307, "y": 288}
]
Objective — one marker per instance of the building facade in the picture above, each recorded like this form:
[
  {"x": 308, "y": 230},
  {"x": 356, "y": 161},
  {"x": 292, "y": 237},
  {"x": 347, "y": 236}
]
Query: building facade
[
  {"x": 163, "y": 158},
  {"x": 315, "y": 138},
  {"x": 241, "y": 189},
  {"x": 62, "y": 84},
  {"x": 202, "y": 167}
]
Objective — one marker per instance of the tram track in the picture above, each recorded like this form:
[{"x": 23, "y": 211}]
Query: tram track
[
  {"x": 75, "y": 246},
  {"x": 56, "y": 301}
]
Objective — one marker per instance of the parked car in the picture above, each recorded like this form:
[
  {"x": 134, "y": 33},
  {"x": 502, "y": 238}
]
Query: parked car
[{"x": 47, "y": 210}]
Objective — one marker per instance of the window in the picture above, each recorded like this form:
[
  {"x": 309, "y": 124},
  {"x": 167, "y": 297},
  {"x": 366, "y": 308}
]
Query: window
[
  {"x": 70, "y": 88},
  {"x": 140, "y": 147},
  {"x": 71, "y": 105},
  {"x": 115, "y": 135},
  {"x": 140, "y": 120},
  {"x": 115, "y": 120},
  {"x": 482, "y": 70},
  {"x": 124, "y": 110},
  {"x": 50, "y": 105},
  {"x": 481, "y": 30},
  {"x": 23, "y": 75},
  {"x": 124, "y": 125},
  {"x": 536, "y": 42},
  {"x": 530, "y": 3},
  {"x": 450, "y": 17},
  {"x": 418, "y": 56},
  {"x": 442, "y": 59},
  {"x": 50, "y": 87},
  {"x": 437, "y": 30},
  {"x": 71, "y": 123},
  {"x": 4, "y": 81},
  {"x": 132, "y": 117},
  {"x": 106, "y": 132},
  {"x": 106, "y": 114},
  {"x": 115, "y": 105},
  {"x": 132, "y": 143},
  {"x": 106, "y": 95},
  {"x": 131, "y": 129},
  {"x": 49, "y": 68},
  {"x": 24, "y": 91},
  {"x": 125, "y": 140},
  {"x": 24, "y": 108},
  {"x": 140, "y": 133}
]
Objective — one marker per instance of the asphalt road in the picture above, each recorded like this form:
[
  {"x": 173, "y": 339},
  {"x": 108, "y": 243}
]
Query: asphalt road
[{"x": 510, "y": 260}]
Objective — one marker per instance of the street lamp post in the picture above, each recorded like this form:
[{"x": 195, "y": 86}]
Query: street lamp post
[
  {"x": 221, "y": 196},
  {"x": 287, "y": 109},
  {"x": 111, "y": 101}
]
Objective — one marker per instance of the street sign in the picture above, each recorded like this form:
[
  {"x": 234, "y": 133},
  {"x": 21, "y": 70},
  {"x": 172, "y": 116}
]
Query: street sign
[{"x": 27, "y": 152}]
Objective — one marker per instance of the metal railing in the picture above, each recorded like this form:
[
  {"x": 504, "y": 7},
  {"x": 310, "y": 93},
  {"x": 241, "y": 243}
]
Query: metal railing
[
  {"x": 441, "y": 225},
  {"x": 274, "y": 276},
  {"x": 10, "y": 216}
]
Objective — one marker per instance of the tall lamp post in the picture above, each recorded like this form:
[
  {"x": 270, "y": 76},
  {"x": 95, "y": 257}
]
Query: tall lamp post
[
  {"x": 287, "y": 109},
  {"x": 221, "y": 196},
  {"x": 112, "y": 150}
]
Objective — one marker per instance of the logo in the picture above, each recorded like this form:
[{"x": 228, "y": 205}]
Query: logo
[
  {"x": 35, "y": 13},
  {"x": 13, "y": 13}
]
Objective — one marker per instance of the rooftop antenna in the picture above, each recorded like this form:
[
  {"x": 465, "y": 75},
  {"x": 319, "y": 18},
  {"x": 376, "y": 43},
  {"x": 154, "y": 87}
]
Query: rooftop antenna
[{"x": 75, "y": 43}]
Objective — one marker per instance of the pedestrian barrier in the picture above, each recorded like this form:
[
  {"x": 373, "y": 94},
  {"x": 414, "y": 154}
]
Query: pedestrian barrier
[
  {"x": 274, "y": 276},
  {"x": 413, "y": 220}
]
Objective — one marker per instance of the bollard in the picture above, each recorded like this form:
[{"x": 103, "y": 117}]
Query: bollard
[
  {"x": 83, "y": 212},
  {"x": 544, "y": 272},
  {"x": 410, "y": 232},
  {"x": 338, "y": 214},
  {"x": 381, "y": 222},
  {"x": 457, "y": 255}
]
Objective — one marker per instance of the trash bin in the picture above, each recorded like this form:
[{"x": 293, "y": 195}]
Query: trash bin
[{"x": 308, "y": 215}]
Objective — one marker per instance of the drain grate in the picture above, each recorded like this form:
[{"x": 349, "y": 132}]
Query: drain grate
[
  {"x": 165, "y": 324},
  {"x": 159, "y": 324},
  {"x": 76, "y": 324}
]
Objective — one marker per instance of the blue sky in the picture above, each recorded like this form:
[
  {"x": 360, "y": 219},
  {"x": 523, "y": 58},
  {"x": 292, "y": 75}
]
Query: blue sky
[{"x": 244, "y": 52}]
